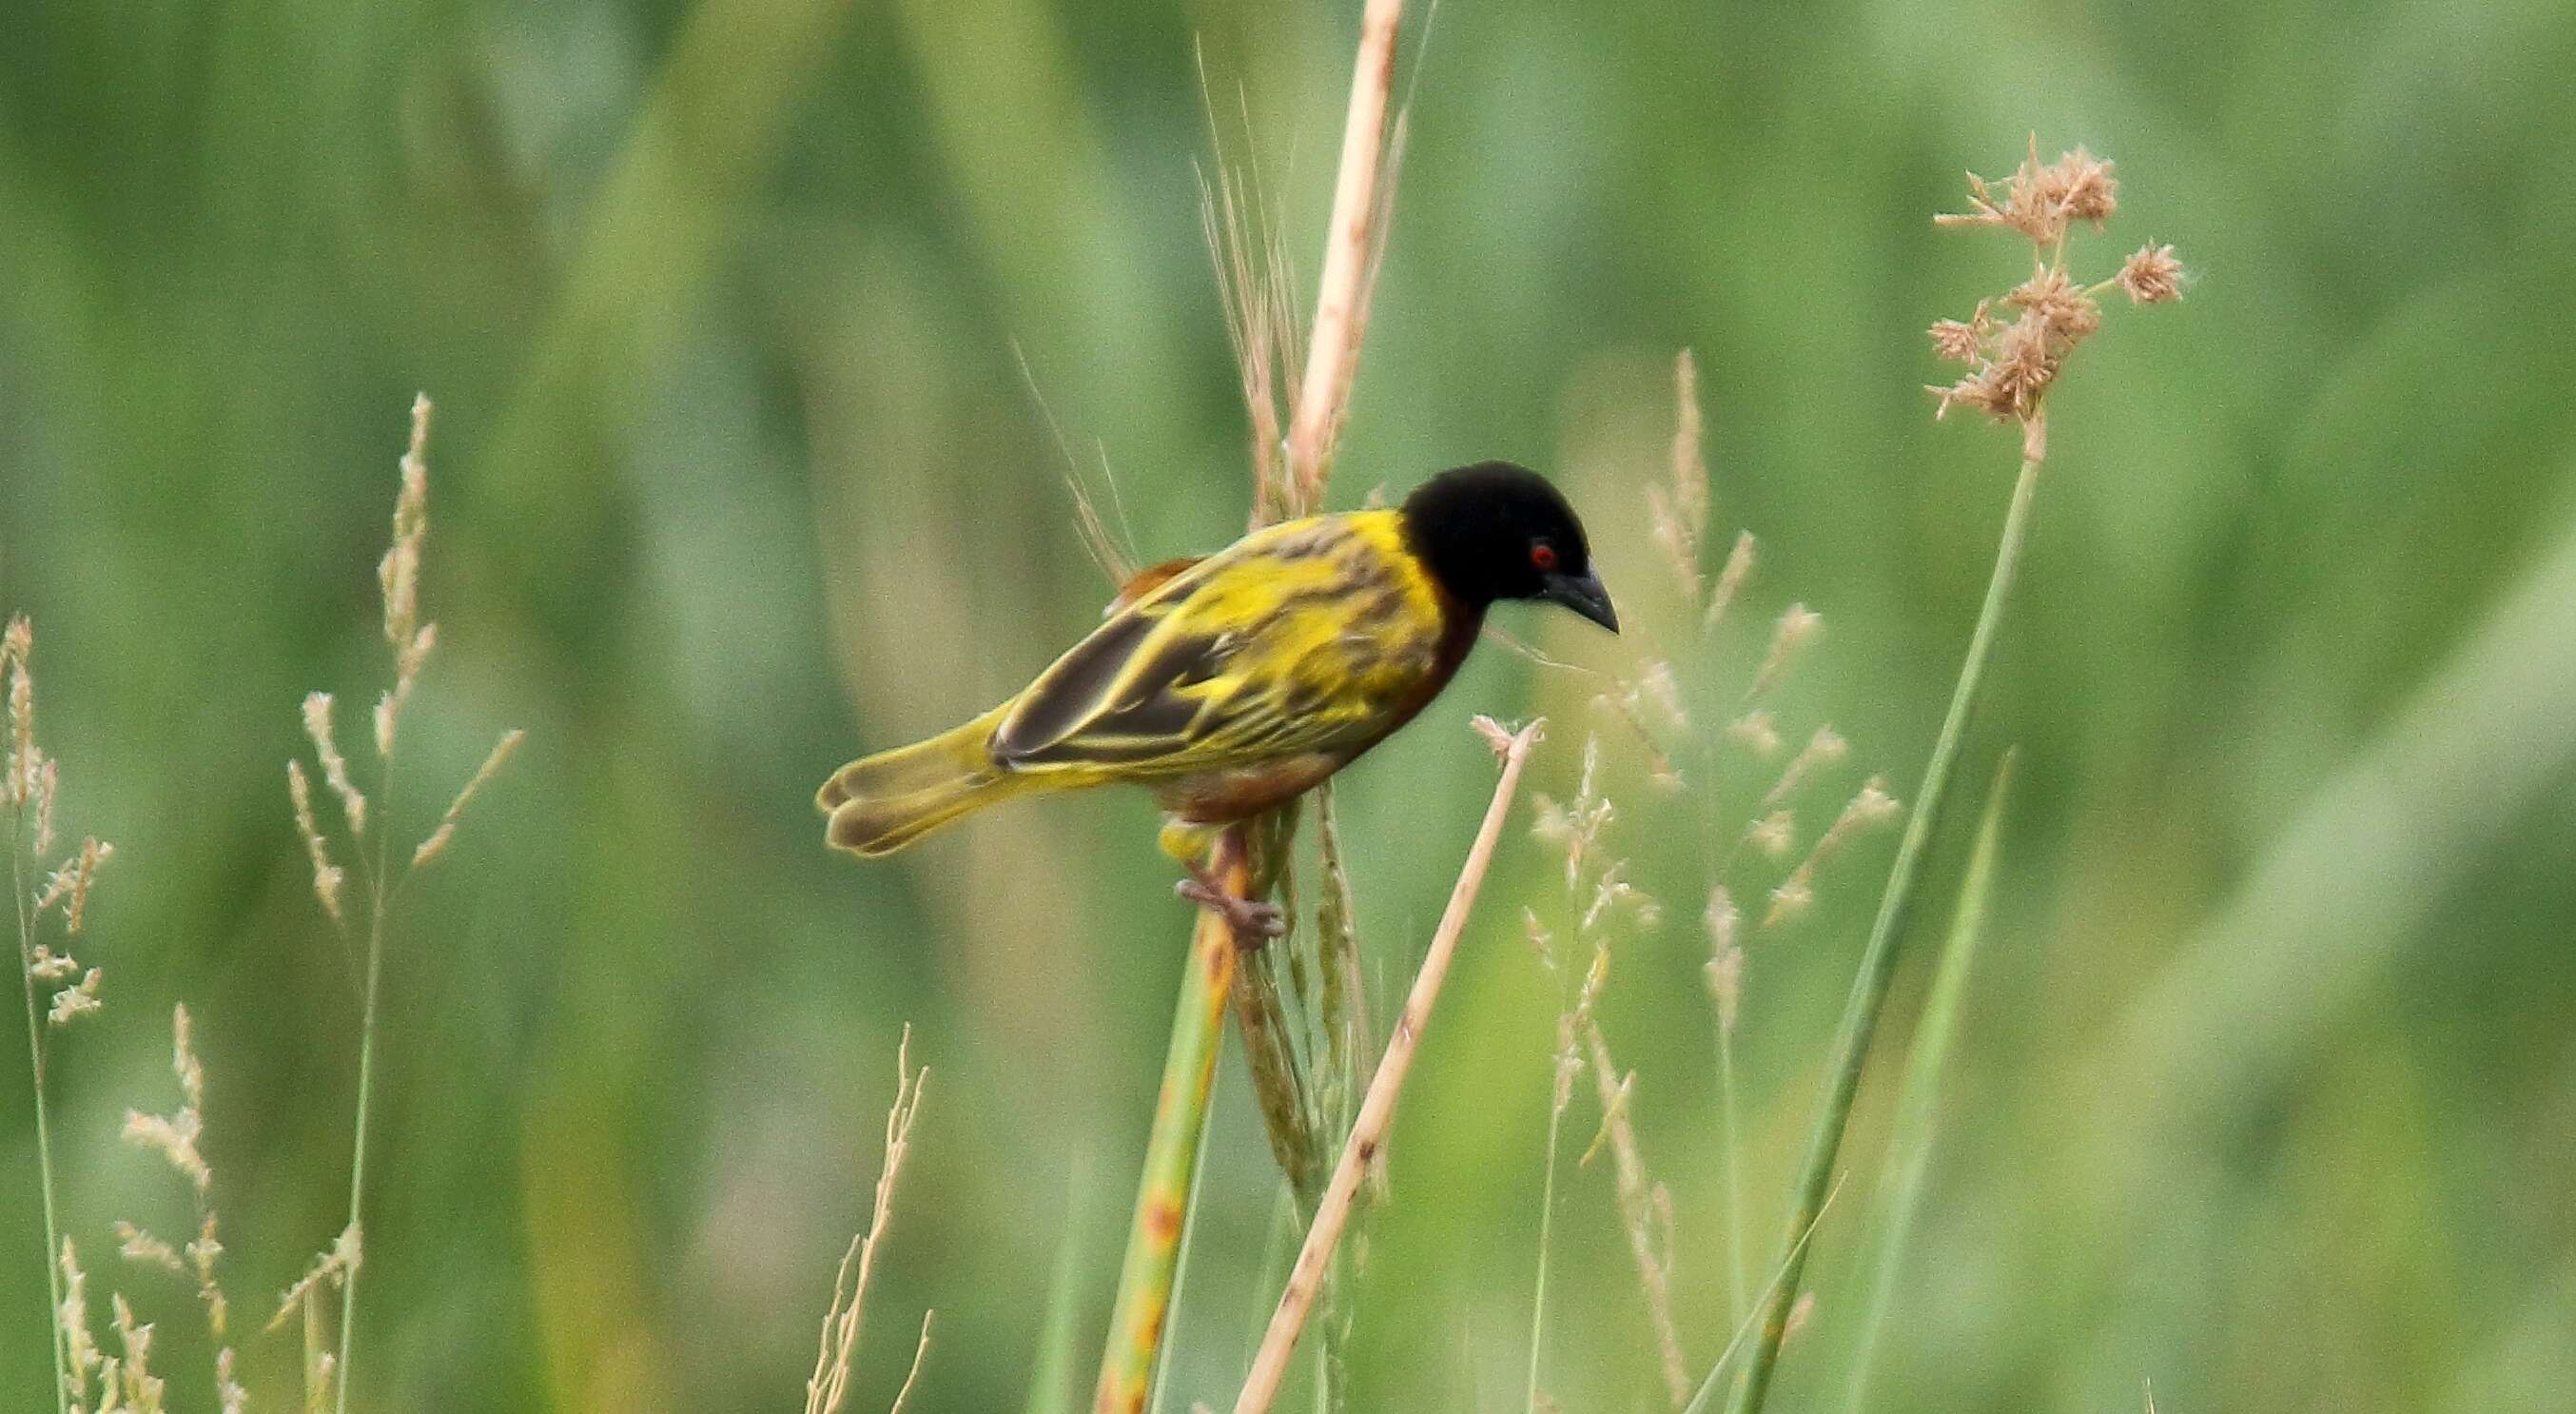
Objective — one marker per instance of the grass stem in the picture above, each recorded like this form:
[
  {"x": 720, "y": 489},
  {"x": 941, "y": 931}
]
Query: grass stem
[
  {"x": 1171, "y": 1158},
  {"x": 378, "y": 904},
  {"x": 1377, "y": 1107},
  {"x": 1546, "y": 1222},
  {"x": 1878, "y": 959},
  {"x": 21, "y": 899},
  {"x": 1909, "y": 1149}
]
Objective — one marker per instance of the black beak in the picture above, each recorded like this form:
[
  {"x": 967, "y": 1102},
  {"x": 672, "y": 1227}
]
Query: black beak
[{"x": 1583, "y": 594}]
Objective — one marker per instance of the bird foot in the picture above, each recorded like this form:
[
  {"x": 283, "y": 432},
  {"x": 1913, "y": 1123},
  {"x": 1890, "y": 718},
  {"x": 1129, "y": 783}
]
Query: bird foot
[{"x": 1253, "y": 923}]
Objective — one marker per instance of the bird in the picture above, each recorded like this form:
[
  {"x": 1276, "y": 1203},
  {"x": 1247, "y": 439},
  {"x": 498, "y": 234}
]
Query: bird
[{"x": 1231, "y": 684}]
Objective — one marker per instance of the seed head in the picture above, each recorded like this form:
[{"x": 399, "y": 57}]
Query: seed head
[{"x": 2152, "y": 276}]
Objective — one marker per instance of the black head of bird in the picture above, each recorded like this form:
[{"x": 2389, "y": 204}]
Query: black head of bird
[{"x": 1499, "y": 531}]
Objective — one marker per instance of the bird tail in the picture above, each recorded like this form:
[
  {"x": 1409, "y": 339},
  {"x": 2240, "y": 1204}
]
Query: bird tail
[{"x": 881, "y": 803}]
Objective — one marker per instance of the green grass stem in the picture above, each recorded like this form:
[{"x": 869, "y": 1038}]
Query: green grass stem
[
  {"x": 22, "y": 900},
  {"x": 1909, "y": 1151},
  {"x": 1145, "y": 1278},
  {"x": 1878, "y": 959}
]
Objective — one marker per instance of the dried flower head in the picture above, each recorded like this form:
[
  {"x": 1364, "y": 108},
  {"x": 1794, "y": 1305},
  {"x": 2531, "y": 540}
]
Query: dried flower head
[
  {"x": 398, "y": 574},
  {"x": 335, "y": 768},
  {"x": 2069, "y": 314},
  {"x": 2152, "y": 276},
  {"x": 2040, "y": 202},
  {"x": 1959, "y": 341},
  {"x": 49, "y": 782},
  {"x": 142, "y": 1390},
  {"x": 1756, "y": 731},
  {"x": 80, "y": 1349},
  {"x": 326, "y": 875},
  {"x": 174, "y": 1138},
  {"x": 17, "y": 647},
  {"x": 1824, "y": 748},
  {"x": 138, "y": 1246},
  {"x": 1798, "y": 626},
  {"x": 1774, "y": 834},
  {"x": 48, "y": 966},
  {"x": 1730, "y": 580},
  {"x": 72, "y": 1003},
  {"x": 1724, "y": 970},
  {"x": 2013, "y": 365}
]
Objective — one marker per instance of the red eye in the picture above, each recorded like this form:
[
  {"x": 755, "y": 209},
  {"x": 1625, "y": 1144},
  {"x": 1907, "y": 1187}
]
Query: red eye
[{"x": 1542, "y": 557}]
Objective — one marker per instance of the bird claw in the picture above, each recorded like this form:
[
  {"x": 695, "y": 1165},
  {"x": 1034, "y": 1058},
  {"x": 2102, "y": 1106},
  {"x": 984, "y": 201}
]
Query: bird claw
[{"x": 1253, "y": 923}]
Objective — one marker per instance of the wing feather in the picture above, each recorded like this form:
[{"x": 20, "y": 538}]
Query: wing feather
[{"x": 1238, "y": 658}]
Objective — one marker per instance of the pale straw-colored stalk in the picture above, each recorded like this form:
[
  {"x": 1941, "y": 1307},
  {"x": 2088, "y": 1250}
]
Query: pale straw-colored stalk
[
  {"x": 839, "y": 1339},
  {"x": 1377, "y": 1106},
  {"x": 1350, "y": 246}
]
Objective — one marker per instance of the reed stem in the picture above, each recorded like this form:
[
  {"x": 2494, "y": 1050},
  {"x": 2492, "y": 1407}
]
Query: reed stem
[{"x": 1171, "y": 1156}]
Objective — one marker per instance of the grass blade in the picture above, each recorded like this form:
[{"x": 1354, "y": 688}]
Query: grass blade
[
  {"x": 1909, "y": 1152},
  {"x": 1878, "y": 959}
]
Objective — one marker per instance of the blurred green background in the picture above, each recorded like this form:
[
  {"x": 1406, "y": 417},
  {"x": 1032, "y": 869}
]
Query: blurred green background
[{"x": 2267, "y": 1087}]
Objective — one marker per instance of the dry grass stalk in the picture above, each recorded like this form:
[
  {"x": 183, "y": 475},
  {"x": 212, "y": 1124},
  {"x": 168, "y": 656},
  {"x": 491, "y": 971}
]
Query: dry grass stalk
[
  {"x": 1570, "y": 1022},
  {"x": 1377, "y": 1107},
  {"x": 131, "y": 1378},
  {"x": 1646, "y": 1209},
  {"x": 412, "y": 640},
  {"x": 830, "y": 1382},
  {"x": 1350, "y": 257},
  {"x": 175, "y": 1137},
  {"x": 335, "y": 767},
  {"x": 1255, "y": 280}
]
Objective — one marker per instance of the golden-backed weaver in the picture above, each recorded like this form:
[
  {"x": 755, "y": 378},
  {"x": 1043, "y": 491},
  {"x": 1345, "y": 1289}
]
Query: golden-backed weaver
[{"x": 1230, "y": 684}]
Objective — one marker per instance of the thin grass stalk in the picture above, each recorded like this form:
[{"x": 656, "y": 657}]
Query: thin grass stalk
[
  {"x": 1878, "y": 959},
  {"x": 1181, "y": 1260},
  {"x": 1744, "y": 1327},
  {"x": 1733, "y": 1168},
  {"x": 1546, "y": 1225},
  {"x": 1909, "y": 1151},
  {"x": 1171, "y": 1159},
  {"x": 21, "y": 793},
  {"x": 377, "y": 907},
  {"x": 1055, "y": 1382},
  {"x": 1278, "y": 1080},
  {"x": 1377, "y": 1107},
  {"x": 23, "y": 898},
  {"x": 1345, "y": 998}
]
